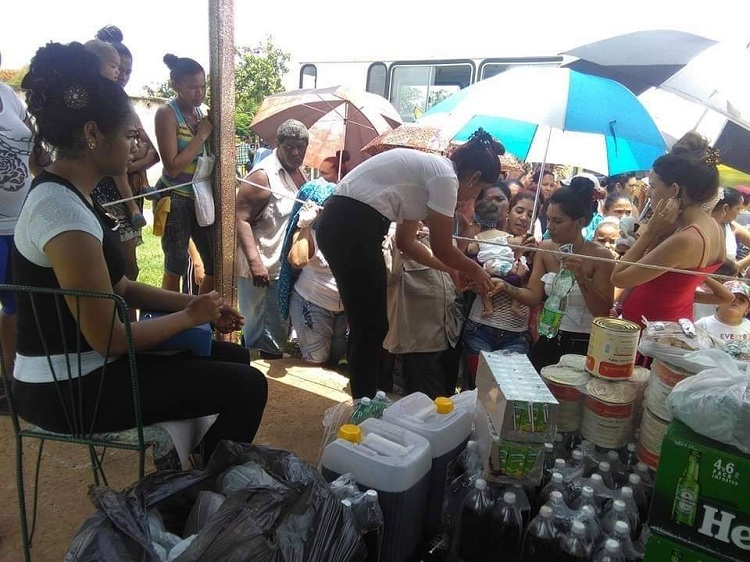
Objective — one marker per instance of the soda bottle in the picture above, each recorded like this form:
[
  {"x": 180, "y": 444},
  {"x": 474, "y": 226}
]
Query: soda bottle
[
  {"x": 618, "y": 512},
  {"x": 639, "y": 494},
  {"x": 554, "y": 307},
  {"x": 573, "y": 545},
  {"x": 626, "y": 495},
  {"x": 361, "y": 411},
  {"x": 647, "y": 481},
  {"x": 464, "y": 473},
  {"x": 540, "y": 542},
  {"x": 549, "y": 456},
  {"x": 611, "y": 552},
  {"x": 369, "y": 517},
  {"x": 630, "y": 458},
  {"x": 507, "y": 528},
  {"x": 605, "y": 471},
  {"x": 621, "y": 534},
  {"x": 522, "y": 503},
  {"x": 555, "y": 484},
  {"x": 586, "y": 498},
  {"x": 561, "y": 513},
  {"x": 588, "y": 517},
  {"x": 474, "y": 529},
  {"x": 618, "y": 470},
  {"x": 379, "y": 403},
  {"x": 559, "y": 447}
]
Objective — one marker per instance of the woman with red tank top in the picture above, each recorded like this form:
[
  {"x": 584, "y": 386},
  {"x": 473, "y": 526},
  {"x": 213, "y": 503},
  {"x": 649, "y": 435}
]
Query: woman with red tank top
[{"x": 681, "y": 235}]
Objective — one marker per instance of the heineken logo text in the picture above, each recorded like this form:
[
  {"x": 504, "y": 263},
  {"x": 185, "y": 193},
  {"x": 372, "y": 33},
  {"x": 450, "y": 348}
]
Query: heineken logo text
[{"x": 717, "y": 524}]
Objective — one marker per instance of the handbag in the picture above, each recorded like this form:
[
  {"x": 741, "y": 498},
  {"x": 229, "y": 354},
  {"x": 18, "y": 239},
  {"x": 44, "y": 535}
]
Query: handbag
[{"x": 205, "y": 210}]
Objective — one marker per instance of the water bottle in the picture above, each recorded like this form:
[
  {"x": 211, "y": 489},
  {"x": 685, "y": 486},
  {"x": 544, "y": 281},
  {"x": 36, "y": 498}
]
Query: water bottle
[
  {"x": 647, "y": 481},
  {"x": 523, "y": 503},
  {"x": 611, "y": 552},
  {"x": 540, "y": 542},
  {"x": 507, "y": 528},
  {"x": 474, "y": 529},
  {"x": 562, "y": 515},
  {"x": 463, "y": 473},
  {"x": 586, "y": 498},
  {"x": 554, "y": 307},
  {"x": 621, "y": 534},
  {"x": 626, "y": 495},
  {"x": 372, "y": 525},
  {"x": 379, "y": 404},
  {"x": 361, "y": 412},
  {"x": 618, "y": 470},
  {"x": 559, "y": 446},
  {"x": 573, "y": 545}
]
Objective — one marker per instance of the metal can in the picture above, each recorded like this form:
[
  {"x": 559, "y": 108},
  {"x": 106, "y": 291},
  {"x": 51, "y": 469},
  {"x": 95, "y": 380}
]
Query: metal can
[
  {"x": 651, "y": 437},
  {"x": 608, "y": 413},
  {"x": 565, "y": 383},
  {"x": 663, "y": 379},
  {"x": 612, "y": 348}
]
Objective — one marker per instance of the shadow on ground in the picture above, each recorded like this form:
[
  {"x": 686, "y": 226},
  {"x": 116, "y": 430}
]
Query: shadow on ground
[{"x": 298, "y": 397}]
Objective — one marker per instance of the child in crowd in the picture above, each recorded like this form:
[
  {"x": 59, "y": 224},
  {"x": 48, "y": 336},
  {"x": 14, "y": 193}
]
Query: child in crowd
[
  {"x": 607, "y": 234},
  {"x": 493, "y": 253},
  {"x": 728, "y": 323}
]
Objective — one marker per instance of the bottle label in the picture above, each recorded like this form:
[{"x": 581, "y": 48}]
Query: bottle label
[
  {"x": 685, "y": 506},
  {"x": 550, "y": 320}
]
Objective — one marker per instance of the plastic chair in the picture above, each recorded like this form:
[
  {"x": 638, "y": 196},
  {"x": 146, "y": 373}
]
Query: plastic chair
[{"x": 79, "y": 431}]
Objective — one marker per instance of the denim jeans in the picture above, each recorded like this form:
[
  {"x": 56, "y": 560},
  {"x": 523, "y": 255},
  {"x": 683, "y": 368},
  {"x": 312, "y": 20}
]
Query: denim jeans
[
  {"x": 264, "y": 329},
  {"x": 320, "y": 332},
  {"x": 480, "y": 337}
]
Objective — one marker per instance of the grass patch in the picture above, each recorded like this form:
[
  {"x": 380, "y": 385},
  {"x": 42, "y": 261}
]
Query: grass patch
[{"x": 150, "y": 256}]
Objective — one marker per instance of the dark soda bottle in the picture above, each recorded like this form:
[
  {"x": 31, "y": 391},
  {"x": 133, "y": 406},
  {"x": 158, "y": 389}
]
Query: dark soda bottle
[
  {"x": 507, "y": 528},
  {"x": 474, "y": 529},
  {"x": 573, "y": 545},
  {"x": 540, "y": 542}
]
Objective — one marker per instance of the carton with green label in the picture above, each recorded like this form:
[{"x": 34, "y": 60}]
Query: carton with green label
[
  {"x": 663, "y": 549},
  {"x": 702, "y": 494}
]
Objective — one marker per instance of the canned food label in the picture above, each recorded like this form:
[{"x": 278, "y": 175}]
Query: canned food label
[{"x": 612, "y": 348}]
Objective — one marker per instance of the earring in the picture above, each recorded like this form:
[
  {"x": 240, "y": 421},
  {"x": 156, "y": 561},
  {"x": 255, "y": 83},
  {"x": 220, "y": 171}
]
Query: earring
[{"x": 92, "y": 144}]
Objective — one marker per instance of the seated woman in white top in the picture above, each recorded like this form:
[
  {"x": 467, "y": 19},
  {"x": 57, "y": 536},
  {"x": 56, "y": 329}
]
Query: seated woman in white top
[
  {"x": 403, "y": 186},
  {"x": 569, "y": 210}
]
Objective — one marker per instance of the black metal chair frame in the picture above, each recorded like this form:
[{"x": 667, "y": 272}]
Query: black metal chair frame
[{"x": 79, "y": 432}]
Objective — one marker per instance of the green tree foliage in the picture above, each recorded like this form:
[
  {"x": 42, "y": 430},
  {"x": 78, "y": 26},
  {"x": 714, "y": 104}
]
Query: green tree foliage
[
  {"x": 258, "y": 73},
  {"x": 13, "y": 76}
]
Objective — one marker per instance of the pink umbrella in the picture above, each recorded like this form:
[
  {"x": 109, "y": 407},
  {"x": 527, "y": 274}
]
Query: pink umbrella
[{"x": 337, "y": 118}]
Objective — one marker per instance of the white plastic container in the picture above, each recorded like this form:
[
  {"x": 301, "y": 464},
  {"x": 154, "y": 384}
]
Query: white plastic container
[
  {"x": 396, "y": 463},
  {"x": 446, "y": 427}
]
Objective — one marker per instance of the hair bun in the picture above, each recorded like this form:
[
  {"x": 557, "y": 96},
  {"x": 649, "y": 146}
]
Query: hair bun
[
  {"x": 483, "y": 137},
  {"x": 170, "y": 60},
  {"x": 343, "y": 155},
  {"x": 109, "y": 34}
]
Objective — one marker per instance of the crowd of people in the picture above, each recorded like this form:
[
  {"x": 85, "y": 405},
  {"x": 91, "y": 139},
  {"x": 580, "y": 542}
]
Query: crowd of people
[{"x": 411, "y": 258}]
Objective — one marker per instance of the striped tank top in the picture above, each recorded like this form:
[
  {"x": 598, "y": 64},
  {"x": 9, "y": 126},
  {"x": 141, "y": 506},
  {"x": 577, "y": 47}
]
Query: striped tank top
[{"x": 184, "y": 136}]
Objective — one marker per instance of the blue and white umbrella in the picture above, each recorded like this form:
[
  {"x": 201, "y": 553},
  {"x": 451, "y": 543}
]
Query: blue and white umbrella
[{"x": 557, "y": 115}]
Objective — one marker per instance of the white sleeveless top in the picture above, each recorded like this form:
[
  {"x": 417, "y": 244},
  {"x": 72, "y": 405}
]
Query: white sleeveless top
[
  {"x": 731, "y": 242},
  {"x": 577, "y": 317},
  {"x": 270, "y": 227}
]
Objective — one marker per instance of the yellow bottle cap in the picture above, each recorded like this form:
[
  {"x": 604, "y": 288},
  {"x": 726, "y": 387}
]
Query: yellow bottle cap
[
  {"x": 444, "y": 405},
  {"x": 350, "y": 432}
]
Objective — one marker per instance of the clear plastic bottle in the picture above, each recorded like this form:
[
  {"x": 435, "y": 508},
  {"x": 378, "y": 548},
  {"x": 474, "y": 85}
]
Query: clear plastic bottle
[
  {"x": 559, "y": 446},
  {"x": 618, "y": 470},
  {"x": 507, "y": 528},
  {"x": 556, "y": 483},
  {"x": 379, "y": 403},
  {"x": 639, "y": 494},
  {"x": 621, "y": 534},
  {"x": 586, "y": 498},
  {"x": 605, "y": 471},
  {"x": 630, "y": 458},
  {"x": 464, "y": 474},
  {"x": 588, "y": 517},
  {"x": 523, "y": 503},
  {"x": 611, "y": 552},
  {"x": 371, "y": 523},
  {"x": 562, "y": 514},
  {"x": 573, "y": 545},
  {"x": 361, "y": 412},
  {"x": 471, "y": 541},
  {"x": 556, "y": 303},
  {"x": 617, "y": 512},
  {"x": 576, "y": 459},
  {"x": 540, "y": 544},
  {"x": 626, "y": 495}
]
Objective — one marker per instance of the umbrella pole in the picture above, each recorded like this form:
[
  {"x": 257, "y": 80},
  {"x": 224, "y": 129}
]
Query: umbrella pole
[
  {"x": 538, "y": 185},
  {"x": 343, "y": 146}
]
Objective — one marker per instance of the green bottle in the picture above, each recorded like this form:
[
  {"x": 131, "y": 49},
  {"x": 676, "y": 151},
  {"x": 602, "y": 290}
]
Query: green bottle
[{"x": 685, "y": 505}]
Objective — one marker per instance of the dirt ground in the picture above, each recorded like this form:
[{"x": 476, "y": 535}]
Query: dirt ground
[{"x": 298, "y": 397}]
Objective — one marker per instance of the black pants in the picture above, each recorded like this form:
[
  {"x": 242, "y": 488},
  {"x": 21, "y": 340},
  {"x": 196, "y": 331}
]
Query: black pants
[
  {"x": 350, "y": 235},
  {"x": 434, "y": 373},
  {"x": 173, "y": 387},
  {"x": 548, "y": 351}
]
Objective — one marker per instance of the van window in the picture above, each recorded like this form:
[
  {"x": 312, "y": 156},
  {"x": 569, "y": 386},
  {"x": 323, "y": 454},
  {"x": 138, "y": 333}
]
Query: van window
[
  {"x": 376, "y": 77},
  {"x": 308, "y": 76},
  {"x": 417, "y": 86}
]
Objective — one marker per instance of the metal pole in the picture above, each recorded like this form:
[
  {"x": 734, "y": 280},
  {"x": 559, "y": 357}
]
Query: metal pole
[{"x": 221, "y": 44}]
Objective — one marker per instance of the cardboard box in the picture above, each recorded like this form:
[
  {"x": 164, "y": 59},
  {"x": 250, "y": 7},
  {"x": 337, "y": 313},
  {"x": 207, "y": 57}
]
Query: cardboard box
[
  {"x": 504, "y": 461},
  {"x": 702, "y": 494},
  {"x": 515, "y": 397},
  {"x": 663, "y": 549}
]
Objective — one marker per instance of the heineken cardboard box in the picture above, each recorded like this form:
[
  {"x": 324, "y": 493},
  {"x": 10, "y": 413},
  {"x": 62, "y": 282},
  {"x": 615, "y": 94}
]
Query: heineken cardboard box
[
  {"x": 663, "y": 549},
  {"x": 702, "y": 494},
  {"x": 515, "y": 397}
]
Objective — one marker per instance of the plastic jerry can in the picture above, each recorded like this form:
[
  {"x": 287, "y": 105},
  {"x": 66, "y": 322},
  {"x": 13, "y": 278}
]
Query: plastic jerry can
[
  {"x": 446, "y": 427},
  {"x": 396, "y": 463}
]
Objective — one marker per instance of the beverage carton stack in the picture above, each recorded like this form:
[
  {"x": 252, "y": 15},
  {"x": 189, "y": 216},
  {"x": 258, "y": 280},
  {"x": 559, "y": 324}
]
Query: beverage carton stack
[
  {"x": 701, "y": 507},
  {"x": 516, "y": 415}
]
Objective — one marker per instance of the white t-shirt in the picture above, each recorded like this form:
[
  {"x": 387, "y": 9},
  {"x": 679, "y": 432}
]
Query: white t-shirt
[
  {"x": 317, "y": 284},
  {"x": 725, "y": 332},
  {"x": 15, "y": 148},
  {"x": 402, "y": 184}
]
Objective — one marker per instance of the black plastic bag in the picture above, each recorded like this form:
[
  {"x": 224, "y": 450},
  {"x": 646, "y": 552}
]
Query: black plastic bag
[{"x": 299, "y": 521}]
